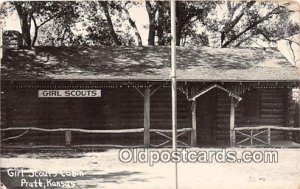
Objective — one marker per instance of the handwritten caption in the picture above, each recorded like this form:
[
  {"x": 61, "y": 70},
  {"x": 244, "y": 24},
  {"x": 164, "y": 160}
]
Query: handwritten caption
[{"x": 44, "y": 179}]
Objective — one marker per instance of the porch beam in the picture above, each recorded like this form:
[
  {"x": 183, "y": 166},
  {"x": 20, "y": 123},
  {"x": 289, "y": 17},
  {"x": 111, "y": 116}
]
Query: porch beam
[
  {"x": 156, "y": 89},
  {"x": 200, "y": 93},
  {"x": 139, "y": 91},
  {"x": 147, "y": 117},
  {"x": 194, "y": 125},
  {"x": 232, "y": 122}
]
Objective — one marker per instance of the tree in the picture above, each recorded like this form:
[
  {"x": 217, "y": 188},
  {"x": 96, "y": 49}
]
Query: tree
[
  {"x": 242, "y": 22},
  {"x": 39, "y": 13},
  {"x": 151, "y": 8},
  {"x": 62, "y": 31},
  {"x": 120, "y": 8},
  {"x": 188, "y": 14},
  {"x": 110, "y": 23},
  {"x": 131, "y": 22},
  {"x": 104, "y": 5}
]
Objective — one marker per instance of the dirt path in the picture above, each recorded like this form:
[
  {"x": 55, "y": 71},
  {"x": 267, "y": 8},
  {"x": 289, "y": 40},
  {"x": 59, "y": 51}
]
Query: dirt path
[{"x": 104, "y": 170}]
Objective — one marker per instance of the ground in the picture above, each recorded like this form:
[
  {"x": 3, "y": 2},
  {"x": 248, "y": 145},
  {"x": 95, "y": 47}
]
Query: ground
[{"x": 104, "y": 170}]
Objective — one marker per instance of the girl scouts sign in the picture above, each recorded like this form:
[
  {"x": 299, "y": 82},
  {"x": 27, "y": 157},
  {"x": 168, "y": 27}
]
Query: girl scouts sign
[{"x": 69, "y": 93}]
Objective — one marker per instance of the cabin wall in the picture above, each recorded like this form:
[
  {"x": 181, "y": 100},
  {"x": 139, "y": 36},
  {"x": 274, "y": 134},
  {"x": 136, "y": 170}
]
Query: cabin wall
[
  {"x": 275, "y": 109},
  {"x": 22, "y": 107},
  {"x": 117, "y": 108},
  {"x": 123, "y": 108},
  {"x": 161, "y": 110}
]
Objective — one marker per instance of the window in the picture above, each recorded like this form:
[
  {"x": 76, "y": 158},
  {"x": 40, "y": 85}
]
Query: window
[{"x": 252, "y": 103}]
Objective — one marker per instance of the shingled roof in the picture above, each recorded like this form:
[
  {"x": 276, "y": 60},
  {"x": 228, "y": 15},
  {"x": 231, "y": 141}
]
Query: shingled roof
[{"x": 146, "y": 63}]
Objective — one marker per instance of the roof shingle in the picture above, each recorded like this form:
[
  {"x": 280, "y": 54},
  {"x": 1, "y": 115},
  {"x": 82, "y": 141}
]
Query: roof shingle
[{"x": 146, "y": 63}]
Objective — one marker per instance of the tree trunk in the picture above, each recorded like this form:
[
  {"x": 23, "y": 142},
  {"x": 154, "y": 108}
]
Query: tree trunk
[
  {"x": 132, "y": 23},
  {"x": 151, "y": 15},
  {"x": 159, "y": 27},
  {"x": 25, "y": 27},
  {"x": 178, "y": 34},
  {"x": 109, "y": 22},
  {"x": 25, "y": 21}
]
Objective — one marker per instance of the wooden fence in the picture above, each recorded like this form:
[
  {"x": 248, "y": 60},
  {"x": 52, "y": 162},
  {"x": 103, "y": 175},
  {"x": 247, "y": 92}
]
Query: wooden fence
[
  {"x": 68, "y": 134},
  {"x": 252, "y": 134}
]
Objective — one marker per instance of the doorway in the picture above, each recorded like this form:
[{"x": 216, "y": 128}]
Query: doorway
[{"x": 206, "y": 118}]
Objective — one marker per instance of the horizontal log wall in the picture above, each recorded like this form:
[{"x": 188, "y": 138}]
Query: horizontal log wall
[
  {"x": 122, "y": 108},
  {"x": 118, "y": 108},
  {"x": 161, "y": 110},
  {"x": 22, "y": 107},
  {"x": 272, "y": 112}
]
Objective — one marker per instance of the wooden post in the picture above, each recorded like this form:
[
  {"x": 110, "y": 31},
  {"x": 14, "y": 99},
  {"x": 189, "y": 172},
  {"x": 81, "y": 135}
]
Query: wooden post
[
  {"x": 251, "y": 139},
  {"x": 68, "y": 138},
  {"x": 286, "y": 114},
  {"x": 194, "y": 125},
  {"x": 147, "y": 117},
  {"x": 232, "y": 122},
  {"x": 269, "y": 136}
]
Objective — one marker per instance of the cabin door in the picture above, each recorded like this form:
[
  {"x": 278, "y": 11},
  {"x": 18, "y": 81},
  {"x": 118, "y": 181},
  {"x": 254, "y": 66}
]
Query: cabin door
[{"x": 206, "y": 118}]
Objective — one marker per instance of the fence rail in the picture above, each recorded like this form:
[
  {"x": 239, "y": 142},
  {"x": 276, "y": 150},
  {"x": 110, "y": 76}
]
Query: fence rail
[
  {"x": 68, "y": 133},
  {"x": 138, "y": 130},
  {"x": 256, "y": 131},
  {"x": 163, "y": 133}
]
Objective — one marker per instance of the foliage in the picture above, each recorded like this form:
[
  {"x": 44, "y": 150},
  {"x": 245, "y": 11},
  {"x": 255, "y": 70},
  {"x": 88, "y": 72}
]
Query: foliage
[
  {"x": 65, "y": 23},
  {"x": 106, "y": 24},
  {"x": 245, "y": 22},
  {"x": 40, "y": 13}
]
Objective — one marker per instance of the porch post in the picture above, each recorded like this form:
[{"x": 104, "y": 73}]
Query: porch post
[
  {"x": 194, "y": 125},
  {"x": 147, "y": 117},
  {"x": 232, "y": 122}
]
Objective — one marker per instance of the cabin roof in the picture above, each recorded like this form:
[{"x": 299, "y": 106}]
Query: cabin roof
[{"x": 146, "y": 63}]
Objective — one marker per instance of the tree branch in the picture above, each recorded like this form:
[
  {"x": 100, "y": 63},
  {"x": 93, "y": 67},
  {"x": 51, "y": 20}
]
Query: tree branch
[
  {"x": 36, "y": 28},
  {"x": 50, "y": 18},
  {"x": 252, "y": 25},
  {"x": 233, "y": 23}
]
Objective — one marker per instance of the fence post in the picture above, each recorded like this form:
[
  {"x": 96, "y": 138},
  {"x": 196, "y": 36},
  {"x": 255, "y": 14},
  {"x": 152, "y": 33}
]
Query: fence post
[
  {"x": 147, "y": 117},
  {"x": 269, "y": 136},
  {"x": 233, "y": 138},
  {"x": 68, "y": 138},
  {"x": 194, "y": 125},
  {"x": 232, "y": 122}
]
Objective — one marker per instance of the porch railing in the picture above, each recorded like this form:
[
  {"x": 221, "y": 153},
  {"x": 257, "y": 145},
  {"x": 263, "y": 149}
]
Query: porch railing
[
  {"x": 68, "y": 134},
  {"x": 164, "y": 133},
  {"x": 252, "y": 134}
]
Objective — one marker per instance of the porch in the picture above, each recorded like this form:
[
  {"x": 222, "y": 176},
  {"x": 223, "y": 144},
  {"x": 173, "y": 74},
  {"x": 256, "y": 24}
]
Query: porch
[{"x": 210, "y": 114}]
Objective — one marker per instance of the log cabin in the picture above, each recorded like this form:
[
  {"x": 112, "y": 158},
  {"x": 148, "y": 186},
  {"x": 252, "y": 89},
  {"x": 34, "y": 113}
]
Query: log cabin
[{"x": 225, "y": 96}]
